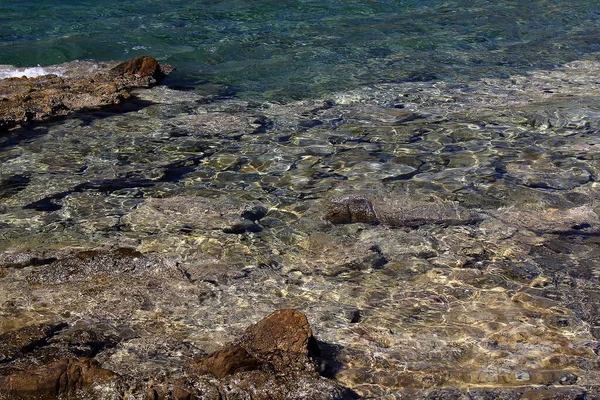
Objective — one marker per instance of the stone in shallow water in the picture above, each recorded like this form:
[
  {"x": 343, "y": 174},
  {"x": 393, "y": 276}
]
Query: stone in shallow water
[
  {"x": 282, "y": 342},
  {"x": 397, "y": 212},
  {"x": 273, "y": 359},
  {"x": 351, "y": 209}
]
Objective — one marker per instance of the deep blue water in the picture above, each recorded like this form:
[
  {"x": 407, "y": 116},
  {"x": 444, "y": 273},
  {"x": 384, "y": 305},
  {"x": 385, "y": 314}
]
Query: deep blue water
[{"x": 298, "y": 48}]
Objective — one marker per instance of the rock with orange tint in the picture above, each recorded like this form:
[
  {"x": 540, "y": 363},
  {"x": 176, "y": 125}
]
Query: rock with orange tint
[
  {"x": 65, "y": 378},
  {"x": 274, "y": 359},
  {"x": 23, "y": 100},
  {"x": 142, "y": 66},
  {"x": 286, "y": 331}
]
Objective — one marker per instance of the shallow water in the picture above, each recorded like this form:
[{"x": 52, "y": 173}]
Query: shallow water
[
  {"x": 470, "y": 129},
  {"x": 482, "y": 270}
]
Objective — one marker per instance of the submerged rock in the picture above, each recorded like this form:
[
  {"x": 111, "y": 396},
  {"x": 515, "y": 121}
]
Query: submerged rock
[
  {"x": 397, "y": 212},
  {"x": 350, "y": 209},
  {"x": 23, "y": 100}
]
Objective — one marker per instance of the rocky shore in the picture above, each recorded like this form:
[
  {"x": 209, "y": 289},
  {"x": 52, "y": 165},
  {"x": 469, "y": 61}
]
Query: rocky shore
[
  {"x": 420, "y": 240},
  {"x": 277, "y": 358},
  {"x": 42, "y": 98}
]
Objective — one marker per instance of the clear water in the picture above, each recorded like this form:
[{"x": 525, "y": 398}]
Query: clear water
[
  {"x": 487, "y": 106},
  {"x": 298, "y": 48}
]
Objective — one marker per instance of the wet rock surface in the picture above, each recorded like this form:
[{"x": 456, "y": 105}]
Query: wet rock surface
[
  {"x": 24, "y": 100},
  {"x": 447, "y": 248},
  {"x": 274, "y": 359}
]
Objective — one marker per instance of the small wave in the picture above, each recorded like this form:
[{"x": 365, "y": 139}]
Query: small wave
[{"x": 8, "y": 71}]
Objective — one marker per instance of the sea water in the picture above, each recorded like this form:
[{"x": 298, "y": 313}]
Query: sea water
[
  {"x": 471, "y": 126},
  {"x": 302, "y": 48}
]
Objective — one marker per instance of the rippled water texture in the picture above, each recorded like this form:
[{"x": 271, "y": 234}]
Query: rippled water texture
[
  {"x": 298, "y": 48},
  {"x": 458, "y": 141},
  {"x": 481, "y": 269}
]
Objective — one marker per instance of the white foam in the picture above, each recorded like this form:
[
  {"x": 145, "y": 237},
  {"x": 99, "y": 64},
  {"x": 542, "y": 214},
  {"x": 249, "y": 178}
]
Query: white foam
[{"x": 8, "y": 71}]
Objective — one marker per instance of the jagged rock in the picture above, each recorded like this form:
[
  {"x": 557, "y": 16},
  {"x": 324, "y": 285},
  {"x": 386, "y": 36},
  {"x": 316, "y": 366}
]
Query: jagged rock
[
  {"x": 272, "y": 360},
  {"x": 142, "y": 66},
  {"x": 23, "y": 100},
  {"x": 281, "y": 342},
  {"x": 284, "y": 331},
  {"x": 225, "y": 362}
]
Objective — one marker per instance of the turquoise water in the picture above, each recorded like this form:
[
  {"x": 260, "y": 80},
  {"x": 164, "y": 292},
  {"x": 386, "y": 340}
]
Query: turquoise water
[{"x": 301, "y": 48}]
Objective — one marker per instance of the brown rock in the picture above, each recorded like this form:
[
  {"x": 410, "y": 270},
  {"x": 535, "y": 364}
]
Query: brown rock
[
  {"x": 65, "y": 377},
  {"x": 271, "y": 361},
  {"x": 141, "y": 66},
  {"x": 280, "y": 342},
  {"x": 50, "y": 96},
  {"x": 225, "y": 362},
  {"x": 284, "y": 331}
]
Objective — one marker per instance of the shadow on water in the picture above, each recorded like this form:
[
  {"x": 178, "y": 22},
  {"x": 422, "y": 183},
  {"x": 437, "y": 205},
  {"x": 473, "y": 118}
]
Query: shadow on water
[
  {"x": 27, "y": 134},
  {"x": 134, "y": 104},
  {"x": 13, "y": 185},
  {"x": 172, "y": 172},
  {"x": 32, "y": 130},
  {"x": 326, "y": 355}
]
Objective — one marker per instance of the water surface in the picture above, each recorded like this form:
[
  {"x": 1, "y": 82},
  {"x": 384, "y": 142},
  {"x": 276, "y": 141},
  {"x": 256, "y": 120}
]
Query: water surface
[
  {"x": 278, "y": 109},
  {"x": 302, "y": 48}
]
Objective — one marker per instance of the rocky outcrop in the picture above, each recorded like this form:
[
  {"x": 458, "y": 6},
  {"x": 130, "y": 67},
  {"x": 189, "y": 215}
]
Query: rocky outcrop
[
  {"x": 65, "y": 378},
  {"x": 23, "y": 100},
  {"x": 142, "y": 67},
  {"x": 282, "y": 342},
  {"x": 274, "y": 359}
]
